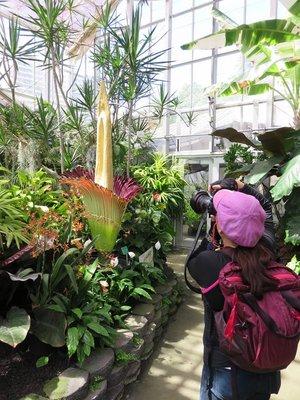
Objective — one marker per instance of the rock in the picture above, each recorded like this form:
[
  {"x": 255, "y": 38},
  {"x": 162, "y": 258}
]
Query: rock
[
  {"x": 159, "y": 332},
  {"x": 115, "y": 393},
  {"x": 164, "y": 310},
  {"x": 98, "y": 394},
  {"x": 99, "y": 363},
  {"x": 155, "y": 299},
  {"x": 148, "y": 348},
  {"x": 137, "y": 323},
  {"x": 71, "y": 384},
  {"x": 117, "y": 375},
  {"x": 149, "y": 337},
  {"x": 33, "y": 396},
  {"x": 146, "y": 310},
  {"x": 163, "y": 290},
  {"x": 173, "y": 309},
  {"x": 172, "y": 283},
  {"x": 123, "y": 340},
  {"x": 133, "y": 372},
  {"x": 157, "y": 318},
  {"x": 164, "y": 320},
  {"x": 137, "y": 350}
]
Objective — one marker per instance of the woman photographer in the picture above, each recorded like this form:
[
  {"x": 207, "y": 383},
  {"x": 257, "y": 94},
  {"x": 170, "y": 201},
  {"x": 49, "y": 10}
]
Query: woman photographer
[{"x": 242, "y": 232}]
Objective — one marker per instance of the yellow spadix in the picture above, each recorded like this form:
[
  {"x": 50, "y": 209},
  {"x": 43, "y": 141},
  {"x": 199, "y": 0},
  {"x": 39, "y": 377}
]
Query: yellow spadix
[{"x": 104, "y": 157}]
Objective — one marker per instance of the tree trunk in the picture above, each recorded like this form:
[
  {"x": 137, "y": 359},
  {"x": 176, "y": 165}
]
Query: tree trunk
[
  {"x": 61, "y": 137},
  {"x": 297, "y": 119}
]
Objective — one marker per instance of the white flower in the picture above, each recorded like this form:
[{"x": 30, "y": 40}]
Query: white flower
[
  {"x": 43, "y": 208},
  {"x": 131, "y": 254},
  {"x": 104, "y": 286},
  {"x": 114, "y": 261},
  {"x": 157, "y": 245},
  {"x": 87, "y": 243}
]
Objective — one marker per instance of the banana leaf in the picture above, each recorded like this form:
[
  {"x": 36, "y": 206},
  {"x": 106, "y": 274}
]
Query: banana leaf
[
  {"x": 269, "y": 32},
  {"x": 289, "y": 180},
  {"x": 261, "y": 169}
]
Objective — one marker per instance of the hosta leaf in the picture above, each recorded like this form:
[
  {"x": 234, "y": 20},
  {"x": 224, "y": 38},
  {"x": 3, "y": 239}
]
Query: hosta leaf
[
  {"x": 261, "y": 170},
  {"x": 289, "y": 179},
  {"x": 49, "y": 326},
  {"x": 14, "y": 328}
]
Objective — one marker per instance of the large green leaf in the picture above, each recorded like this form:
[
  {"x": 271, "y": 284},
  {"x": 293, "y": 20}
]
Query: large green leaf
[
  {"x": 269, "y": 32},
  {"x": 234, "y": 136},
  {"x": 293, "y": 6},
  {"x": 14, "y": 329},
  {"x": 289, "y": 179},
  {"x": 49, "y": 326},
  {"x": 261, "y": 170},
  {"x": 225, "y": 22},
  {"x": 291, "y": 219},
  {"x": 278, "y": 142}
]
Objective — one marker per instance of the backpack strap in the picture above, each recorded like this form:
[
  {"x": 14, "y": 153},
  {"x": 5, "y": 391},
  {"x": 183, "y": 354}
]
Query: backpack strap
[{"x": 250, "y": 299}]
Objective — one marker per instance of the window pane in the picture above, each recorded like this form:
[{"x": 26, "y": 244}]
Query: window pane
[
  {"x": 200, "y": 2},
  {"x": 179, "y": 5},
  {"x": 282, "y": 12},
  {"x": 283, "y": 115},
  {"x": 181, "y": 84},
  {"x": 229, "y": 117},
  {"x": 229, "y": 66},
  {"x": 203, "y": 26},
  {"x": 233, "y": 9},
  {"x": 257, "y": 10},
  {"x": 145, "y": 14},
  {"x": 201, "y": 80},
  {"x": 158, "y": 10},
  {"x": 182, "y": 32}
]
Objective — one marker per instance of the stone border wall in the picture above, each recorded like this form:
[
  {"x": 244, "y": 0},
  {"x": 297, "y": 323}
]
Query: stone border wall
[{"x": 105, "y": 374}]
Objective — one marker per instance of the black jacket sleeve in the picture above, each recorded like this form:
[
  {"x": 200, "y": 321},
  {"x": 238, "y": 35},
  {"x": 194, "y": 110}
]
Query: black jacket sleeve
[
  {"x": 205, "y": 268},
  {"x": 269, "y": 235}
]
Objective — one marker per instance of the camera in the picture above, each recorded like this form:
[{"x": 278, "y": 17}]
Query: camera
[{"x": 202, "y": 201}]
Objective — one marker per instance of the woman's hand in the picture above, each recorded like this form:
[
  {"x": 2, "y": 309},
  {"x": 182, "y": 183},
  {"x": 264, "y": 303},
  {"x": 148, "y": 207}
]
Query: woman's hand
[{"x": 227, "y": 183}]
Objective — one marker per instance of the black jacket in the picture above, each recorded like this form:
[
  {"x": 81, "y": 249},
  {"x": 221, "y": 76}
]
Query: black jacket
[{"x": 205, "y": 266}]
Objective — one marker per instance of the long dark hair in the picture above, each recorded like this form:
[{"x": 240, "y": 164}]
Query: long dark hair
[{"x": 254, "y": 262}]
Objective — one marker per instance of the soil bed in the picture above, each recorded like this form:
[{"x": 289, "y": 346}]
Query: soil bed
[{"x": 19, "y": 375}]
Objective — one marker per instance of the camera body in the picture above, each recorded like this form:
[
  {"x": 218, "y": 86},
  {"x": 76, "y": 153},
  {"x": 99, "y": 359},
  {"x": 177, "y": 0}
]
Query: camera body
[{"x": 202, "y": 201}]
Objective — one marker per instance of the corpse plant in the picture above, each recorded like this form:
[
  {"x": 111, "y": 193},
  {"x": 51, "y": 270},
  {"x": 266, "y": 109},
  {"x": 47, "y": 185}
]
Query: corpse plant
[{"x": 105, "y": 198}]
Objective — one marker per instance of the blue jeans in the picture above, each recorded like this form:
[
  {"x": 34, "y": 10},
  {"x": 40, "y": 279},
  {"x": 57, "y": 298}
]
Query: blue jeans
[{"x": 250, "y": 386}]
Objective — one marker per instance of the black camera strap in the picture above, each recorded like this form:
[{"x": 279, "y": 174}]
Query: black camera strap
[{"x": 189, "y": 256}]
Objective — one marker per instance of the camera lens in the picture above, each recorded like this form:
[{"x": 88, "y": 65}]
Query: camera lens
[{"x": 201, "y": 202}]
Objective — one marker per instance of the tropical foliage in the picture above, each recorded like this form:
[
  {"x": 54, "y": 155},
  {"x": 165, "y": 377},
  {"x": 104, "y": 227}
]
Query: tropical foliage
[{"x": 271, "y": 48}]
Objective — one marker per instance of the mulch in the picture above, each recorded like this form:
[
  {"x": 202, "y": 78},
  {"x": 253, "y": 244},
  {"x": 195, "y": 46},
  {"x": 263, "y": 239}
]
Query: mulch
[{"x": 19, "y": 375}]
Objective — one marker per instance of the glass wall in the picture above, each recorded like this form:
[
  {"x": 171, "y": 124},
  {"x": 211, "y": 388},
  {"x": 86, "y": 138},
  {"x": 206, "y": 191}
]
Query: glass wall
[
  {"x": 191, "y": 72},
  {"x": 188, "y": 74}
]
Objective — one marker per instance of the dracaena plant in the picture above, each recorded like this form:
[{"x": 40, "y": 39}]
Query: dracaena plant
[{"x": 104, "y": 197}]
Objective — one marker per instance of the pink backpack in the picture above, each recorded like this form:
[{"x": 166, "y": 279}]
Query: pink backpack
[{"x": 259, "y": 335}]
